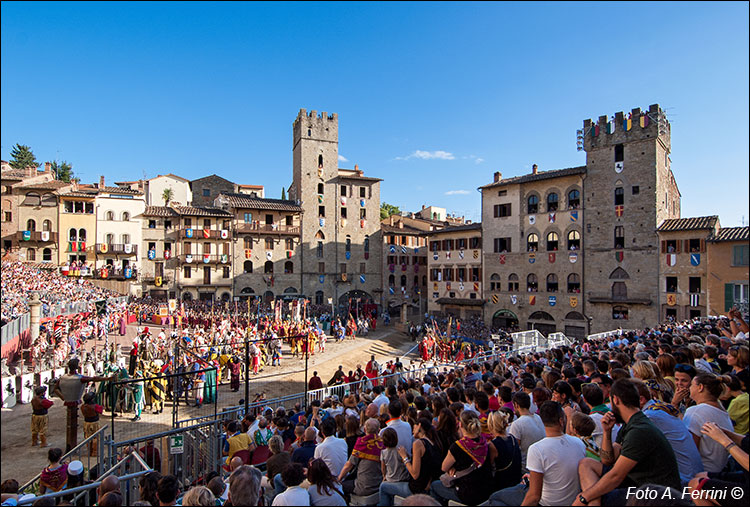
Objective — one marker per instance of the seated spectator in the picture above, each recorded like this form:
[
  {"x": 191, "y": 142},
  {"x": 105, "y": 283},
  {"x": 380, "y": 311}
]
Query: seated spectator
[
  {"x": 304, "y": 453},
  {"x": 147, "y": 486},
  {"x": 583, "y": 426},
  {"x": 469, "y": 462},
  {"x": 391, "y": 464},
  {"x": 199, "y": 496},
  {"x": 167, "y": 490},
  {"x": 630, "y": 461},
  {"x": 324, "y": 488},
  {"x": 110, "y": 499},
  {"x": 244, "y": 486},
  {"x": 236, "y": 441},
  {"x": 332, "y": 450},
  {"x": 277, "y": 462},
  {"x": 55, "y": 475},
  {"x": 402, "y": 428},
  {"x": 527, "y": 427},
  {"x": 293, "y": 475},
  {"x": 351, "y": 428},
  {"x": 508, "y": 461},
  {"x": 705, "y": 390},
  {"x": 365, "y": 460}
]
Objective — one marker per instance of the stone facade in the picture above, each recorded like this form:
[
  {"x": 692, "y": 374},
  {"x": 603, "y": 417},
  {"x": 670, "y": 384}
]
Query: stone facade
[
  {"x": 683, "y": 266},
  {"x": 728, "y": 275},
  {"x": 159, "y": 271},
  {"x": 454, "y": 264},
  {"x": 340, "y": 231},
  {"x": 265, "y": 246},
  {"x": 208, "y": 188},
  {"x": 628, "y": 184},
  {"x": 533, "y": 274},
  {"x": 38, "y": 220},
  {"x": 405, "y": 263},
  {"x": 77, "y": 226}
]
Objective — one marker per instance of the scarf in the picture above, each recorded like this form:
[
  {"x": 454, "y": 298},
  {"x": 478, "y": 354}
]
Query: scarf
[
  {"x": 665, "y": 407},
  {"x": 476, "y": 449},
  {"x": 600, "y": 409},
  {"x": 368, "y": 447},
  {"x": 55, "y": 479}
]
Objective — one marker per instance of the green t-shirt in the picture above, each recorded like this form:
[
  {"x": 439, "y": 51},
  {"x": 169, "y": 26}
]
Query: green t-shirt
[{"x": 644, "y": 443}]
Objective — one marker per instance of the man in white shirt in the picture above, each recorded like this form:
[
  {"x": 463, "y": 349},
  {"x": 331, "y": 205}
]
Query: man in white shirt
[
  {"x": 527, "y": 428},
  {"x": 381, "y": 399},
  {"x": 333, "y": 451},
  {"x": 552, "y": 463},
  {"x": 402, "y": 428},
  {"x": 292, "y": 476}
]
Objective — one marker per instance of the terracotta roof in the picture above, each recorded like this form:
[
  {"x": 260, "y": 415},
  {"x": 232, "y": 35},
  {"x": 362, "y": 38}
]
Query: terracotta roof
[
  {"x": 394, "y": 229},
  {"x": 354, "y": 176},
  {"x": 688, "y": 224},
  {"x": 460, "y": 301},
  {"x": 250, "y": 186},
  {"x": 119, "y": 190},
  {"x": 456, "y": 228},
  {"x": 246, "y": 201},
  {"x": 13, "y": 174},
  {"x": 47, "y": 185},
  {"x": 732, "y": 234},
  {"x": 159, "y": 211},
  {"x": 541, "y": 175},
  {"x": 170, "y": 175},
  {"x": 201, "y": 211},
  {"x": 41, "y": 265},
  {"x": 79, "y": 193}
]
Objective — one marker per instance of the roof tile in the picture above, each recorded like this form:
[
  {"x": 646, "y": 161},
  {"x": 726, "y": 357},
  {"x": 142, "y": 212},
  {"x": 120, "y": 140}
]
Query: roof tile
[
  {"x": 732, "y": 234},
  {"x": 688, "y": 224}
]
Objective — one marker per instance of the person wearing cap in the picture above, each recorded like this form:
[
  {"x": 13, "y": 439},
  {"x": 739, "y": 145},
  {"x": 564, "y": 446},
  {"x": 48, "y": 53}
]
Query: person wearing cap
[
  {"x": 91, "y": 411},
  {"x": 39, "y": 418}
]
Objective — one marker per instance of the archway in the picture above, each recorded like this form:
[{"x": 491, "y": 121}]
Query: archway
[
  {"x": 356, "y": 302},
  {"x": 504, "y": 319},
  {"x": 246, "y": 293},
  {"x": 542, "y": 322}
]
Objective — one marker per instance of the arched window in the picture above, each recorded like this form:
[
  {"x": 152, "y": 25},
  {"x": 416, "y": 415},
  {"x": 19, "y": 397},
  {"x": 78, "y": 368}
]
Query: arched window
[
  {"x": 247, "y": 290},
  {"x": 319, "y": 235},
  {"x": 619, "y": 236},
  {"x": 288, "y": 267},
  {"x": 619, "y": 274},
  {"x": 126, "y": 239},
  {"x": 186, "y": 296},
  {"x": 49, "y": 200},
  {"x": 47, "y": 255},
  {"x": 532, "y": 285},
  {"x": 247, "y": 267},
  {"x": 290, "y": 290},
  {"x": 109, "y": 238},
  {"x": 348, "y": 243},
  {"x": 574, "y": 316},
  {"x": 225, "y": 297},
  {"x": 552, "y": 201},
  {"x": 424, "y": 280},
  {"x": 30, "y": 254},
  {"x": 320, "y": 249},
  {"x": 495, "y": 282},
  {"x": 47, "y": 225},
  {"x": 619, "y": 291},
  {"x": 619, "y": 196},
  {"x": 32, "y": 199},
  {"x": 320, "y": 161},
  {"x": 541, "y": 316},
  {"x": 403, "y": 280},
  {"x": 321, "y": 187},
  {"x": 513, "y": 282},
  {"x": 574, "y": 199},
  {"x": 269, "y": 267},
  {"x": 110, "y": 215},
  {"x": 552, "y": 282},
  {"x": 533, "y": 204},
  {"x": 620, "y": 312},
  {"x": 319, "y": 297},
  {"x": 30, "y": 225},
  {"x": 81, "y": 234},
  {"x": 574, "y": 283},
  {"x": 125, "y": 216},
  {"x": 532, "y": 242},
  {"x": 416, "y": 280},
  {"x": 367, "y": 244},
  {"x": 391, "y": 280},
  {"x": 552, "y": 241},
  {"x": 73, "y": 235},
  {"x": 574, "y": 240}
]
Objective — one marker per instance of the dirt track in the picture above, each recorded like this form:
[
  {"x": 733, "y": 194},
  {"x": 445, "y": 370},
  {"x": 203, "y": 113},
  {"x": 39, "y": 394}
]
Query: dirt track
[{"x": 22, "y": 462}]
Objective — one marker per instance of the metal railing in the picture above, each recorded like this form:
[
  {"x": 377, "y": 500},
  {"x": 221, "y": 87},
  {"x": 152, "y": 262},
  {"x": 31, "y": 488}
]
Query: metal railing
[
  {"x": 37, "y": 236},
  {"x": 607, "y": 334},
  {"x": 131, "y": 487},
  {"x": 268, "y": 228},
  {"x": 15, "y": 327},
  {"x": 76, "y": 451}
]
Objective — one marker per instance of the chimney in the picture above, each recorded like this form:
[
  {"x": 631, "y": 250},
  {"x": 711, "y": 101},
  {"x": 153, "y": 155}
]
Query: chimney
[
  {"x": 356, "y": 170},
  {"x": 423, "y": 206},
  {"x": 391, "y": 220},
  {"x": 101, "y": 182},
  {"x": 47, "y": 167},
  {"x": 75, "y": 185},
  {"x": 400, "y": 224},
  {"x": 498, "y": 176},
  {"x": 533, "y": 169}
]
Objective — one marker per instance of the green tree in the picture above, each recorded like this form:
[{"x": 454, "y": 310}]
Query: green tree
[
  {"x": 283, "y": 193},
  {"x": 63, "y": 170},
  {"x": 387, "y": 210},
  {"x": 22, "y": 157},
  {"x": 167, "y": 195}
]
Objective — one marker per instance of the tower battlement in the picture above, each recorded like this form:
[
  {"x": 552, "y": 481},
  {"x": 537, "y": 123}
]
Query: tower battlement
[
  {"x": 314, "y": 125},
  {"x": 627, "y": 127}
]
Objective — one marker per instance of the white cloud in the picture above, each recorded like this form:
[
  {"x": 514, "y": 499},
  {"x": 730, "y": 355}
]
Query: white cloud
[
  {"x": 478, "y": 160},
  {"x": 428, "y": 155},
  {"x": 457, "y": 192},
  {"x": 343, "y": 159}
]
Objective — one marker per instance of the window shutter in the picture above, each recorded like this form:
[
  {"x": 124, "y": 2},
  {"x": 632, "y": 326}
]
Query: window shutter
[
  {"x": 728, "y": 296},
  {"x": 679, "y": 246},
  {"x": 687, "y": 245},
  {"x": 508, "y": 245},
  {"x": 703, "y": 245},
  {"x": 663, "y": 246}
]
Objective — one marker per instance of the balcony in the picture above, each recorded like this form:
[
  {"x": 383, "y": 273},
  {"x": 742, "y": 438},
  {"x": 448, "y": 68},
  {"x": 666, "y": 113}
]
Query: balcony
[
  {"x": 36, "y": 236},
  {"x": 199, "y": 259},
  {"x": 114, "y": 274},
  {"x": 151, "y": 279},
  {"x": 629, "y": 298},
  {"x": 116, "y": 248},
  {"x": 268, "y": 229},
  {"x": 188, "y": 233}
]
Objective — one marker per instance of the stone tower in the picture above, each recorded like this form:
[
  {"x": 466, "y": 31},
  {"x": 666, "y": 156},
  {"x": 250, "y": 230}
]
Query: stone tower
[
  {"x": 340, "y": 222},
  {"x": 629, "y": 190}
]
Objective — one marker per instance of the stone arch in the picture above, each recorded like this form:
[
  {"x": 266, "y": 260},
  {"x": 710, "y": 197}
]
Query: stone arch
[
  {"x": 569, "y": 198},
  {"x": 290, "y": 290},
  {"x": 319, "y": 235},
  {"x": 575, "y": 316},
  {"x": 528, "y": 201},
  {"x": 619, "y": 274},
  {"x": 540, "y": 315},
  {"x": 504, "y": 319},
  {"x": 557, "y": 195}
]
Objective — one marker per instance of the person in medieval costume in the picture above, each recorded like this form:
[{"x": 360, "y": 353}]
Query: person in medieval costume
[
  {"x": 157, "y": 387},
  {"x": 106, "y": 394},
  {"x": 91, "y": 411},
  {"x": 139, "y": 398},
  {"x": 199, "y": 382},
  {"x": 39, "y": 418},
  {"x": 255, "y": 357},
  {"x": 209, "y": 395},
  {"x": 235, "y": 368}
]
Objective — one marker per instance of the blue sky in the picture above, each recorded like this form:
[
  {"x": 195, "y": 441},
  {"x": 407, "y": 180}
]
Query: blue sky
[{"x": 431, "y": 97}]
